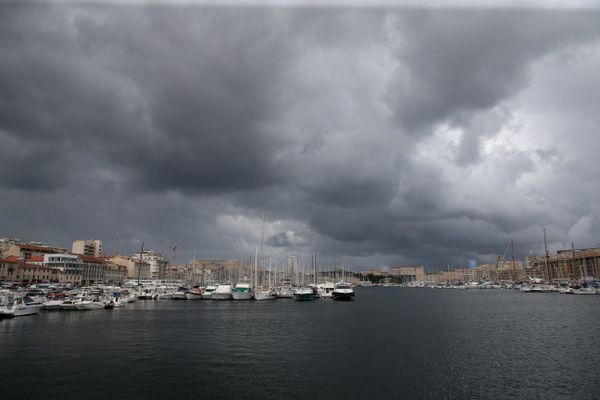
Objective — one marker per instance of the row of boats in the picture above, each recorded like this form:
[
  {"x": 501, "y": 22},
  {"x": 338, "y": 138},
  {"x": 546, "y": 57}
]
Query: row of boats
[
  {"x": 14, "y": 303},
  {"x": 534, "y": 286}
]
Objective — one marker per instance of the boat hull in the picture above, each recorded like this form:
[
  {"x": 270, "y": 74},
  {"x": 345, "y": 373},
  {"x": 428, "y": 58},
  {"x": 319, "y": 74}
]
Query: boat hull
[
  {"x": 53, "y": 305},
  {"x": 343, "y": 296},
  {"x": 89, "y": 305},
  {"x": 304, "y": 295},
  {"x": 241, "y": 295},
  {"x": 221, "y": 296},
  {"x": 193, "y": 296},
  {"x": 262, "y": 296},
  {"x": 20, "y": 310}
]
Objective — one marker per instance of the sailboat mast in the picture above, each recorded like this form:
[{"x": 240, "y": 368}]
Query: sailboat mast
[
  {"x": 269, "y": 276},
  {"x": 512, "y": 258},
  {"x": 262, "y": 238},
  {"x": 140, "y": 266},
  {"x": 315, "y": 260},
  {"x": 546, "y": 256},
  {"x": 255, "y": 266}
]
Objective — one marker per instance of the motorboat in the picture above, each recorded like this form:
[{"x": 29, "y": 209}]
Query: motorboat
[
  {"x": 164, "y": 293},
  {"x": 90, "y": 303},
  {"x": 242, "y": 291},
  {"x": 585, "y": 290},
  {"x": 208, "y": 291},
  {"x": 116, "y": 301},
  {"x": 194, "y": 293},
  {"x": 264, "y": 294},
  {"x": 303, "y": 294},
  {"x": 223, "y": 292},
  {"x": 54, "y": 301},
  {"x": 343, "y": 291},
  {"x": 179, "y": 294},
  {"x": 284, "y": 292},
  {"x": 20, "y": 306},
  {"x": 326, "y": 289},
  {"x": 148, "y": 293}
]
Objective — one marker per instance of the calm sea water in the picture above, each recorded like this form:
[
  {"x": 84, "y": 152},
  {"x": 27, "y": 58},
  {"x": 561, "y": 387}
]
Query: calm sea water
[{"x": 389, "y": 343}]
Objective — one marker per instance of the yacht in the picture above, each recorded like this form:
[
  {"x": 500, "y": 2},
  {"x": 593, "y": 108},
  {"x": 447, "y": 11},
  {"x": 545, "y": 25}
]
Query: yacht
[
  {"x": 284, "y": 292},
  {"x": 242, "y": 291},
  {"x": 54, "y": 301},
  {"x": 194, "y": 293},
  {"x": 208, "y": 291},
  {"x": 90, "y": 303},
  {"x": 326, "y": 289},
  {"x": 223, "y": 292},
  {"x": 116, "y": 301},
  {"x": 148, "y": 293},
  {"x": 584, "y": 290},
  {"x": 128, "y": 296},
  {"x": 303, "y": 294},
  {"x": 179, "y": 294},
  {"x": 70, "y": 303},
  {"x": 343, "y": 291},
  {"x": 164, "y": 293},
  {"x": 20, "y": 306},
  {"x": 264, "y": 294}
]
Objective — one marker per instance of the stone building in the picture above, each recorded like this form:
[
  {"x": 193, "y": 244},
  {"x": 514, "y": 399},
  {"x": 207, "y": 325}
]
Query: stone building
[{"x": 17, "y": 270}]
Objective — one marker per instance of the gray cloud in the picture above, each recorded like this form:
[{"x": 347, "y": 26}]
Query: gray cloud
[{"x": 392, "y": 136}]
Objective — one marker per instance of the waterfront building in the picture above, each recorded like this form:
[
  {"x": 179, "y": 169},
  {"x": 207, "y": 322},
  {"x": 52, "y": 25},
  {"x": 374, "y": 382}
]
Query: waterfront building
[
  {"x": 6, "y": 242},
  {"x": 17, "y": 270},
  {"x": 114, "y": 274},
  {"x": 89, "y": 247},
  {"x": 406, "y": 274},
  {"x": 158, "y": 263},
  {"x": 569, "y": 264},
  {"x": 200, "y": 272},
  {"x": 503, "y": 271},
  {"x": 31, "y": 249},
  {"x": 68, "y": 265},
  {"x": 134, "y": 269},
  {"x": 76, "y": 269}
]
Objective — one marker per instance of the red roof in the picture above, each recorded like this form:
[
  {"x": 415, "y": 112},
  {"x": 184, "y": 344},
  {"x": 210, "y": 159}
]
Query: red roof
[
  {"x": 11, "y": 259},
  {"x": 46, "y": 249},
  {"x": 91, "y": 259},
  {"x": 21, "y": 262},
  {"x": 36, "y": 259}
]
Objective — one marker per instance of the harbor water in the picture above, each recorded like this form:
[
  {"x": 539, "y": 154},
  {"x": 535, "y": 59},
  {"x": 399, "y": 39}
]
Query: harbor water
[{"x": 390, "y": 343}]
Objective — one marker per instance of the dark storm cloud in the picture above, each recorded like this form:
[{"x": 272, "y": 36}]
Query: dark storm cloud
[
  {"x": 470, "y": 60},
  {"x": 182, "y": 125},
  {"x": 458, "y": 64}
]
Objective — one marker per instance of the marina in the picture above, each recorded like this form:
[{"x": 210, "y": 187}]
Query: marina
[{"x": 299, "y": 200}]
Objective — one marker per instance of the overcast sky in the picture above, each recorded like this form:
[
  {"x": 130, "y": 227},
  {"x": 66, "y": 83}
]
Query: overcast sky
[{"x": 391, "y": 136}]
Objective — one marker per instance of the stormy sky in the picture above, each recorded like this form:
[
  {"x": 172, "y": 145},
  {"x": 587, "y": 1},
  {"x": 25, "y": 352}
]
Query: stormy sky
[{"x": 389, "y": 136}]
